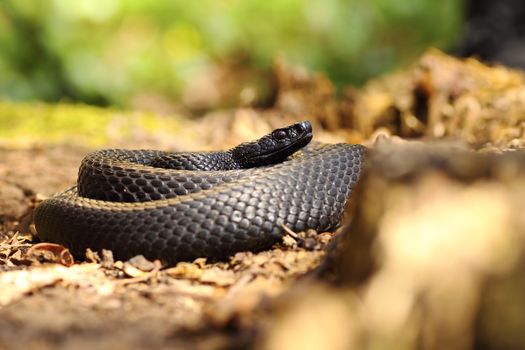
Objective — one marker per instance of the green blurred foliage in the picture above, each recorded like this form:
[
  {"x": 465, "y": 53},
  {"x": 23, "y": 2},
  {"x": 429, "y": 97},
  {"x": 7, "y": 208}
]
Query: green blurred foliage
[{"x": 111, "y": 51}]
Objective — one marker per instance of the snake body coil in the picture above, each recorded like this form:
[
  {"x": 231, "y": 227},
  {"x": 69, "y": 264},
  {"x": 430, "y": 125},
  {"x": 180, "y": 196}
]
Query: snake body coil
[{"x": 144, "y": 202}]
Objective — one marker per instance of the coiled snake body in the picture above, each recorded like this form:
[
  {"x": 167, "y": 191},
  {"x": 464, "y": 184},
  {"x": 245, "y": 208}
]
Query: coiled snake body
[{"x": 180, "y": 206}]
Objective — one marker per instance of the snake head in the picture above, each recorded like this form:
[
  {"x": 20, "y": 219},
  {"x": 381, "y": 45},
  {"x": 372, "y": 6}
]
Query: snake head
[
  {"x": 299, "y": 132},
  {"x": 273, "y": 147}
]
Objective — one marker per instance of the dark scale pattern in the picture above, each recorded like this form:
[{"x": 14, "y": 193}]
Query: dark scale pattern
[
  {"x": 182, "y": 215},
  {"x": 127, "y": 176},
  {"x": 204, "y": 161}
]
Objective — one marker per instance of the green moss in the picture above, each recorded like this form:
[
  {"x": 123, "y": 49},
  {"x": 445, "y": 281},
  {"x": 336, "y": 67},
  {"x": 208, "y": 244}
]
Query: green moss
[{"x": 29, "y": 123}]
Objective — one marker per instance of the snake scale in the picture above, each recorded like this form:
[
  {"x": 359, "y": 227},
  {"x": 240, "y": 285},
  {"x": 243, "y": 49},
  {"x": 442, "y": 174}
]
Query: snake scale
[{"x": 180, "y": 206}]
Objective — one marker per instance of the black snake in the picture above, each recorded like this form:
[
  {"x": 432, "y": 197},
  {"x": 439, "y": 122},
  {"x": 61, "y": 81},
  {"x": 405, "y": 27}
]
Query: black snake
[{"x": 180, "y": 206}]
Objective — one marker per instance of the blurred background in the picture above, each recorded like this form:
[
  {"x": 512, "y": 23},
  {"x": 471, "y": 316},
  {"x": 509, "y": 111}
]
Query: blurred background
[
  {"x": 165, "y": 56},
  {"x": 435, "y": 258},
  {"x": 172, "y": 56}
]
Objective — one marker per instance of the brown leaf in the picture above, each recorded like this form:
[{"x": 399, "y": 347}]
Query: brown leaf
[
  {"x": 50, "y": 252},
  {"x": 185, "y": 270}
]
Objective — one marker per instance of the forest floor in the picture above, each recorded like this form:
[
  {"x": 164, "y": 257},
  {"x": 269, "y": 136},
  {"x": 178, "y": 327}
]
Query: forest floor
[{"x": 431, "y": 252}]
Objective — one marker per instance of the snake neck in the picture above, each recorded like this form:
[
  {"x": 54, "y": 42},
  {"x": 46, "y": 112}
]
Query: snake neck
[
  {"x": 272, "y": 148},
  {"x": 202, "y": 161}
]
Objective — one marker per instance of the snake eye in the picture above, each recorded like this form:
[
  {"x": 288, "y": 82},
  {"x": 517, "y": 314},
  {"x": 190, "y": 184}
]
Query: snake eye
[{"x": 280, "y": 134}]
